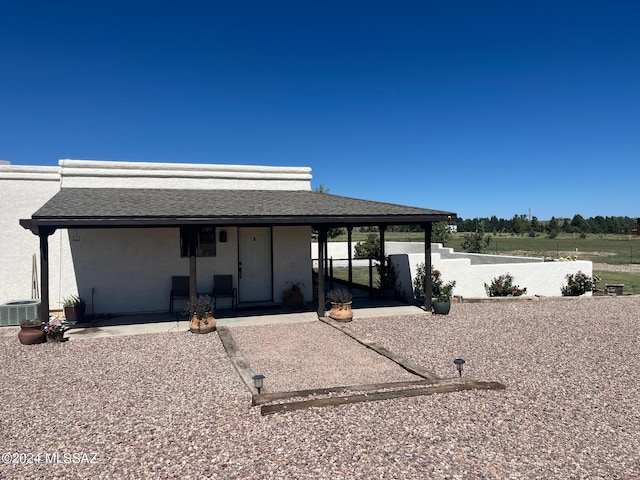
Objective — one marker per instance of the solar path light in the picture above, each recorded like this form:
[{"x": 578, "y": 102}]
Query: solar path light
[
  {"x": 459, "y": 363},
  {"x": 258, "y": 381}
]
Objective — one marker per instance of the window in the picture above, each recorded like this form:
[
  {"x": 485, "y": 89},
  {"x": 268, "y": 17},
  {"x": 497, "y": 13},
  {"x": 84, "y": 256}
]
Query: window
[{"x": 206, "y": 242}]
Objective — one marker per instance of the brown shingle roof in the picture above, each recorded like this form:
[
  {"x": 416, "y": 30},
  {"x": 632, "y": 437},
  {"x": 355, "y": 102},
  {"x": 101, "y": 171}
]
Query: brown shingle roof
[{"x": 77, "y": 207}]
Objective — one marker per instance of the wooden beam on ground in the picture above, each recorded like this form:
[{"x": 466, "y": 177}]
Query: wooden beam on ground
[
  {"x": 261, "y": 399},
  {"x": 403, "y": 362},
  {"x": 238, "y": 361},
  {"x": 376, "y": 396}
]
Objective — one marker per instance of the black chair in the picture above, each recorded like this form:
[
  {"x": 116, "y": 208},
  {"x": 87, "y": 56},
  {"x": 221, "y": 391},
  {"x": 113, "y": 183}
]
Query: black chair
[
  {"x": 179, "y": 290},
  {"x": 223, "y": 288}
]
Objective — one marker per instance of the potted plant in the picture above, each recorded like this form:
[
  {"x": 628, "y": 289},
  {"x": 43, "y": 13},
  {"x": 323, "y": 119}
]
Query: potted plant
[
  {"x": 387, "y": 279},
  {"x": 74, "y": 308},
  {"x": 200, "y": 311},
  {"x": 293, "y": 296},
  {"x": 341, "y": 300},
  {"x": 31, "y": 332},
  {"x": 54, "y": 331},
  {"x": 441, "y": 293}
]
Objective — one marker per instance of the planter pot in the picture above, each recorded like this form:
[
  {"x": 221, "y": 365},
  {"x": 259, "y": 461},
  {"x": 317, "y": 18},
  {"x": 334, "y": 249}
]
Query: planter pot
[
  {"x": 341, "y": 312},
  {"x": 441, "y": 308},
  {"x": 206, "y": 325},
  {"x": 55, "y": 337},
  {"x": 30, "y": 335},
  {"x": 75, "y": 314}
]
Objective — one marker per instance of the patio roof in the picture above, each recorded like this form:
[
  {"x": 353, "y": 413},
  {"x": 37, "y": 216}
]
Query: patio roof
[{"x": 126, "y": 207}]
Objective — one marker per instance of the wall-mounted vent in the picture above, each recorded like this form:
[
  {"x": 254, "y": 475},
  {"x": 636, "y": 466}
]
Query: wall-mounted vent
[{"x": 12, "y": 313}]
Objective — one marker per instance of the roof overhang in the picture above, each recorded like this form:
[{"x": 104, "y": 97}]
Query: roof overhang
[{"x": 152, "y": 208}]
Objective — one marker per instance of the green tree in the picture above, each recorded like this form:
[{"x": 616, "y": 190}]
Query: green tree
[
  {"x": 476, "y": 242},
  {"x": 440, "y": 233},
  {"x": 370, "y": 248}
]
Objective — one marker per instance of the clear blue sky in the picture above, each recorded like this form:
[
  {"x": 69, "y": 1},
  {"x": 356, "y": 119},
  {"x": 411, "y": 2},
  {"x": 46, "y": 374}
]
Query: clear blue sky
[{"x": 478, "y": 107}]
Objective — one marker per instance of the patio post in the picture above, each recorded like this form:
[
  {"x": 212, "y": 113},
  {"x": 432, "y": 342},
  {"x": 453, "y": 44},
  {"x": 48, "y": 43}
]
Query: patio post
[
  {"x": 322, "y": 240},
  {"x": 350, "y": 256},
  {"x": 43, "y": 234},
  {"x": 428, "y": 284},
  {"x": 193, "y": 247}
]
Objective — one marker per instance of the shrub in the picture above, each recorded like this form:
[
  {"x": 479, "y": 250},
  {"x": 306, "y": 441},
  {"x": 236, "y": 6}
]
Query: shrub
[
  {"x": 442, "y": 292},
  {"x": 370, "y": 248},
  {"x": 339, "y": 295},
  {"x": 578, "y": 284},
  {"x": 503, "y": 286}
]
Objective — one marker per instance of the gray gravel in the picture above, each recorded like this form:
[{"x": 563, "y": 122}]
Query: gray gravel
[{"x": 171, "y": 406}]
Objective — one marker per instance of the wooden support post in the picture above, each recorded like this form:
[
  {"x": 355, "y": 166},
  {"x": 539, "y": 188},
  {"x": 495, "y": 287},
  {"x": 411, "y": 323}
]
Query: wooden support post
[
  {"x": 428, "y": 284},
  {"x": 322, "y": 240},
  {"x": 350, "y": 255},
  {"x": 43, "y": 233},
  {"x": 193, "y": 252}
]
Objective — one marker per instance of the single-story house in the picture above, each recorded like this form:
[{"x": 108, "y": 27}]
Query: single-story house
[{"x": 116, "y": 232}]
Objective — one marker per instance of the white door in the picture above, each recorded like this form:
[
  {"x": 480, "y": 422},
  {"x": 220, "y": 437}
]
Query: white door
[{"x": 255, "y": 265}]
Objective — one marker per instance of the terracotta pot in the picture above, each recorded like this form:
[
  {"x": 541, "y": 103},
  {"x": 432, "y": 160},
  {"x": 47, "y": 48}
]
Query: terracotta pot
[
  {"x": 30, "y": 335},
  {"x": 341, "y": 312},
  {"x": 206, "y": 325}
]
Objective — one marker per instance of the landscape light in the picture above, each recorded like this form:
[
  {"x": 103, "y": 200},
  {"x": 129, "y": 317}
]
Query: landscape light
[
  {"x": 459, "y": 362},
  {"x": 258, "y": 381}
]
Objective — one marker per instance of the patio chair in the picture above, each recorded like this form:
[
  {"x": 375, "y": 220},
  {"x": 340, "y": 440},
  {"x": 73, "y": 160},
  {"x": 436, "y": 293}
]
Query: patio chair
[
  {"x": 179, "y": 290},
  {"x": 223, "y": 288}
]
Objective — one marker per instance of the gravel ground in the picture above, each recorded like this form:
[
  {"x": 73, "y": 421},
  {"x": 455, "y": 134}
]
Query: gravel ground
[{"x": 171, "y": 406}]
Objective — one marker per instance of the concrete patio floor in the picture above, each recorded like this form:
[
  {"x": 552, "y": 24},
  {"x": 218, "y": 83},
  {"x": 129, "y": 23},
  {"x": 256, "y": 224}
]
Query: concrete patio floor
[{"x": 166, "y": 322}]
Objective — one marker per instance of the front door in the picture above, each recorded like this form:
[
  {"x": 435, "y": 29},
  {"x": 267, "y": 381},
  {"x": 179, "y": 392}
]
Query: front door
[{"x": 255, "y": 265}]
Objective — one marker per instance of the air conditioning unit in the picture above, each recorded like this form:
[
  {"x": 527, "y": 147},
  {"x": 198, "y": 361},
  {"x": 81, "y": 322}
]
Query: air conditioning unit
[{"x": 12, "y": 313}]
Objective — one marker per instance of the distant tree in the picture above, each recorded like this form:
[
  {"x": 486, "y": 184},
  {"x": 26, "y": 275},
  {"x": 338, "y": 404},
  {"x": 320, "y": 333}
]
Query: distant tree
[
  {"x": 440, "y": 233},
  {"x": 553, "y": 225},
  {"x": 370, "y": 248},
  {"x": 536, "y": 226},
  {"x": 476, "y": 242},
  {"x": 579, "y": 223}
]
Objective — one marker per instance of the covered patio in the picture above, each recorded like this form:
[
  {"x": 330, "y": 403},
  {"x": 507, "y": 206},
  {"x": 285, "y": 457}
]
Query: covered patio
[{"x": 189, "y": 209}]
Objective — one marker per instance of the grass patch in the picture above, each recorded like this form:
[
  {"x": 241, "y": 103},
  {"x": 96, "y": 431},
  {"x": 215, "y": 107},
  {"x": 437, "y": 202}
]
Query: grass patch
[
  {"x": 611, "y": 249},
  {"x": 629, "y": 279}
]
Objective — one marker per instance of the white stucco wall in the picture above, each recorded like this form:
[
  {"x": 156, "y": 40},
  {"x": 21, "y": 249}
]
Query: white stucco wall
[
  {"x": 540, "y": 278},
  {"x": 292, "y": 261},
  {"x": 472, "y": 271},
  {"x": 102, "y": 174},
  {"x": 22, "y": 191}
]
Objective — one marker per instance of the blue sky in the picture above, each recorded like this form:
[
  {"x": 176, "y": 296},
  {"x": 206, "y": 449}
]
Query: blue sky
[{"x": 481, "y": 108}]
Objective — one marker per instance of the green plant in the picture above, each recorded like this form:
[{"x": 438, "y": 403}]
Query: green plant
[
  {"x": 73, "y": 301},
  {"x": 476, "y": 242},
  {"x": 503, "y": 286},
  {"x": 30, "y": 322},
  {"x": 53, "y": 326},
  {"x": 369, "y": 248},
  {"x": 578, "y": 284},
  {"x": 200, "y": 306},
  {"x": 387, "y": 275},
  {"x": 339, "y": 295},
  {"x": 440, "y": 291}
]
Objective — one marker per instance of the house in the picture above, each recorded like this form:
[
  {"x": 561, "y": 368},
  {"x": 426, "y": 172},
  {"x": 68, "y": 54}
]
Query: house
[{"x": 116, "y": 232}]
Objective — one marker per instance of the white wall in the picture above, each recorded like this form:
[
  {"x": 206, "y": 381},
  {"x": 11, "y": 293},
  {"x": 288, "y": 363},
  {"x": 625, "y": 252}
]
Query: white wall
[
  {"x": 22, "y": 191},
  {"x": 540, "y": 278},
  {"x": 472, "y": 271},
  {"x": 292, "y": 261},
  {"x": 101, "y": 174}
]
